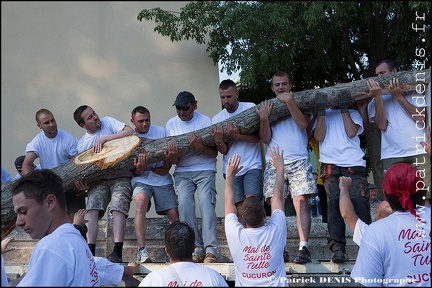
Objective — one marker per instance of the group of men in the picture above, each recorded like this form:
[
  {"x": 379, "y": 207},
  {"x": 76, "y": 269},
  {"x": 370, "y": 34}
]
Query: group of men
[
  {"x": 193, "y": 173},
  {"x": 248, "y": 186}
]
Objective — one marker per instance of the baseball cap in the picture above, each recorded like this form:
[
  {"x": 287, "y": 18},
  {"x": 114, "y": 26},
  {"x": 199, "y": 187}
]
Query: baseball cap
[
  {"x": 372, "y": 186},
  {"x": 19, "y": 161},
  {"x": 184, "y": 98}
]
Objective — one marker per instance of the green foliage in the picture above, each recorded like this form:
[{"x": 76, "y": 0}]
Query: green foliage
[{"x": 320, "y": 43}]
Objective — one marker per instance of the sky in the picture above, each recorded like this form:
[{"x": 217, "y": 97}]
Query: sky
[{"x": 224, "y": 75}]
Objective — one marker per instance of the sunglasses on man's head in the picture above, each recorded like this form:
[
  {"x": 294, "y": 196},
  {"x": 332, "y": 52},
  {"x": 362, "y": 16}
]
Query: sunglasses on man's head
[{"x": 183, "y": 108}]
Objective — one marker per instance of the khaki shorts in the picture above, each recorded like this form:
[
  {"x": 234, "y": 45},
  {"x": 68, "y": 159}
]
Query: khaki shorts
[
  {"x": 117, "y": 191},
  {"x": 298, "y": 179},
  {"x": 165, "y": 197}
]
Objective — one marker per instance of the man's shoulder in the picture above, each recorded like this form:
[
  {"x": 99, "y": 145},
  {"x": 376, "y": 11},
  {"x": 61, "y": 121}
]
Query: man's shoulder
[
  {"x": 220, "y": 114},
  {"x": 38, "y": 136},
  {"x": 62, "y": 131},
  {"x": 65, "y": 133},
  {"x": 201, "y": 115},
  {"x": 246, "y": 105},
  {"x": 278, "y": 214},
  {"x": 106, "y": 119},
  {"x": 157, "y": 128},
  {"x": 172, "y": 119}
]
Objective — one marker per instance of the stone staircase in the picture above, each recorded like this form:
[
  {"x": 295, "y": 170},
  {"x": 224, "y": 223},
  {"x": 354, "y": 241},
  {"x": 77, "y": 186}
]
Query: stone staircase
[
  {"x": 155, "y": 241},
  {"x": 16, "y": 261}
]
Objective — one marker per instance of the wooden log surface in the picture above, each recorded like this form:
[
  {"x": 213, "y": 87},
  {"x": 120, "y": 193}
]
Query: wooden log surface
[{"x": 248, "y": 122}]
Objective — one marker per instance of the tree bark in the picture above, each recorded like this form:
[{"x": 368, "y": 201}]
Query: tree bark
[
  {"x": 248, "y": 121},
  {"x": 373, "y": 142}
]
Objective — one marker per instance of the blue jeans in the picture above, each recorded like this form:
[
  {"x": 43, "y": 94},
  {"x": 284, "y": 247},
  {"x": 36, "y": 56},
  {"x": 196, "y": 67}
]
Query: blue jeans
[
  {"x": 203, "y": 183},
  {"x": 315, "y": 206}
]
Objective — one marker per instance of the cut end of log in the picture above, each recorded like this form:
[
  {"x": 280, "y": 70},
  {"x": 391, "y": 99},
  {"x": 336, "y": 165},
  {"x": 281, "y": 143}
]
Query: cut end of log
[{"x": 113, "y": 151}]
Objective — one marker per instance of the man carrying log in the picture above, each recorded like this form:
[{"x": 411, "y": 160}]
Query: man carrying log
[
  {"x": 401, "y": 117},
  {"x": 196, "y": 172},
  {"x": 337, "y": 130},
  {"x": 290, "y": 136},
  {"x": 248, "y": 181},
  {"x": 248, "y": 122},
  {"x": 53, "y": 147},
  {"x": 114, "y": 188},
  {"x": 153, "y": 180}
]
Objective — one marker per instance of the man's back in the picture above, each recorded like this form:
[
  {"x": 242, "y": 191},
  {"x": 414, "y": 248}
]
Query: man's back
[
  {"x": 189, "y": 273},
  {"x": 180, "y": 244},
  {"x": 258, "y": 252},
  {"x": 405, "y": 250}
]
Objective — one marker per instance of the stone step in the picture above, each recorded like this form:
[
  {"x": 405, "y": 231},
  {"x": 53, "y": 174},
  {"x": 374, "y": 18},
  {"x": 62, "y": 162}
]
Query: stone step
[
  {"x": 155, "y": 241},
  {"x": 314, "y": 274},
  {"x": 319, "y": 273}
]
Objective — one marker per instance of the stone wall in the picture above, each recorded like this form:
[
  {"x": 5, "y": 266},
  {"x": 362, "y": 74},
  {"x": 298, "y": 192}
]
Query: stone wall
[{"x": 155, "y": 241}]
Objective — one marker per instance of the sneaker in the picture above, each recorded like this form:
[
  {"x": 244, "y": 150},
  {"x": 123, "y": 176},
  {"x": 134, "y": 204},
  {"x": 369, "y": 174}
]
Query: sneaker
[
  {"x": 113, "y": 257},
  {"x": 143, "y": 256},
  {"x": 210, "y": 258},
  {"x": 197, "y": 259},
  {"x": 339, "y": 257},
  {"x": 303, "y": 256}
]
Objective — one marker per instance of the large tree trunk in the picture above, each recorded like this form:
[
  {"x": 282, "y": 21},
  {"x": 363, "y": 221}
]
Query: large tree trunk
[
  {"x": 373, "y": 142},
  {"x": 118, "y": 155}
]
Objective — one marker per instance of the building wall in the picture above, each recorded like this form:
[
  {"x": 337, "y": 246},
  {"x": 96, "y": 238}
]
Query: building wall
[{"x": 60, "y": 55}]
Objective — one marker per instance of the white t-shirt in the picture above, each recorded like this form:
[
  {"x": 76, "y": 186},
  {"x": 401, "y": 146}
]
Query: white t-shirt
[
  {"x": 337, "y": 148},
  {"x": 149, "y": 177},
  {"x": 194, "y": 161},
  {"x": 283, "y": 134},
  {"x": 53, "y": 152},
  {"x": 396, "y": 251},
  {"x": 61, "y": 258},
  {"x": 109, "y": 125},
  {"x": 250, "y": 152},
  {"x": 191, "y": 274},
  {"x": 258, "y": 252},
  {"x": 402, "y": 136},
  {"x": 110, "y": 274},
  {"x": 359, "y": 229}
]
